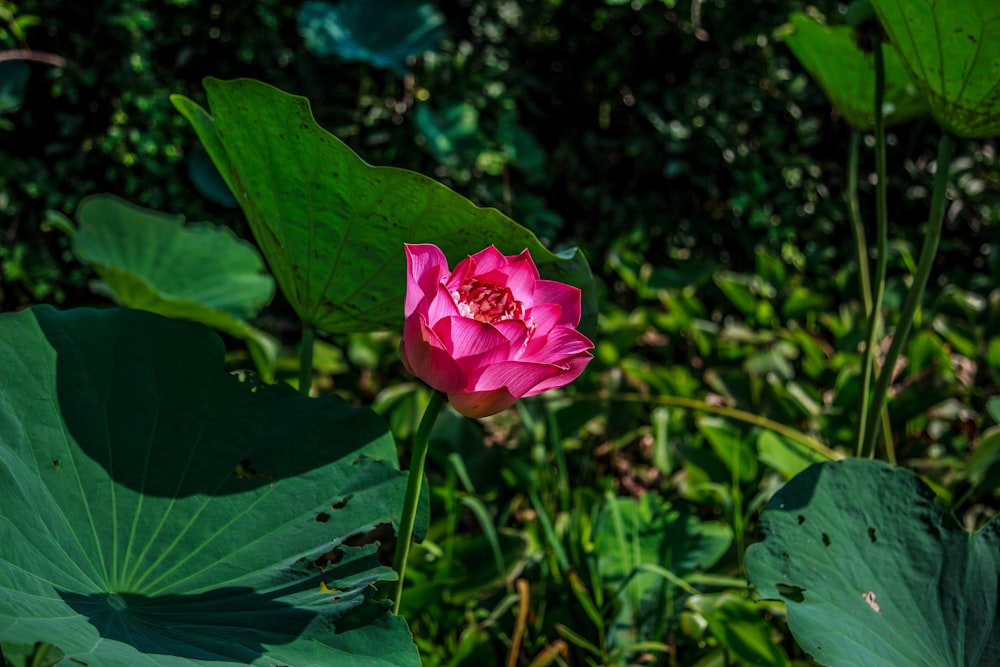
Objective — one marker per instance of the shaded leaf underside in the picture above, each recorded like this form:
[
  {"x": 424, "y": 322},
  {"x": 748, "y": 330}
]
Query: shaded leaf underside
[{"x": 157, "y": 510}]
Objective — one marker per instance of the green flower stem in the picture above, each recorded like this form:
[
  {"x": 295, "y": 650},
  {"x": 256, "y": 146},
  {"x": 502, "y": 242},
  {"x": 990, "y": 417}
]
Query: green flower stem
[
  {"x": 881, "y": 210},
  {"x": 890, "y": 451},
  {"x": 866, "y": 424},
  {"x": 864, "y": 279},
  {"x": 306, "y": 359},
  {"x": 404, "y": 537},
  {"x": 857, "y": 226},
  {"x": 916, "y": 292}
]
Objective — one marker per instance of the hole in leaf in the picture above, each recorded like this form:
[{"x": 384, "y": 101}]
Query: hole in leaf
[
  {"x": 322, "y": 517},
  {"x": 793, "y": 593},
  {"x": 381, "y": 533},
  {"x": 871, "y": 534},
  {"x": 343, "y": 503},
  {"x": 802, "y": 519},
  {"x": 57, "y": 463},
  {"x": 826, "y": 539},
  {"x": 329, "y": 559}
]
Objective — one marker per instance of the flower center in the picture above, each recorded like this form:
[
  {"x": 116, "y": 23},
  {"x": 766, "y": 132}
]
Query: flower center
[{"x": 486, "y": 302}]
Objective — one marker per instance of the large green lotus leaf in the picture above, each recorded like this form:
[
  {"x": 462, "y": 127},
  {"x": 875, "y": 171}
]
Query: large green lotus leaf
[
  {"x": 847, "y": 74},
  {"x": 156, "y": 510},
  {"x": 153, "y": 261},
  {"x": 952, "y": 51},
  {"x": 635, "y": 537},
  {"x": 451, "y": 133},
  {"x": 332, "y": 227},
  {"x": 875, "y": 572},
  {"x": 385, "y": 34}
]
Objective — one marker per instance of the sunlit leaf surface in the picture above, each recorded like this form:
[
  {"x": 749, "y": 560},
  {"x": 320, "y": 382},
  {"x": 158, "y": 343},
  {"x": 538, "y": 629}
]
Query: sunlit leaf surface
[
  {"x": 197, "y": 271},
  {"x": 952, "y": 50},
  {"x": 847, "y": 74},
  {"x": 332, "y": 227}
]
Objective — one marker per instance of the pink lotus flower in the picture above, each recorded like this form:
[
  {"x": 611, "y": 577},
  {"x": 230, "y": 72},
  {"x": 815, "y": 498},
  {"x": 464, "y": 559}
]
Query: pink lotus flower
[{"x": 491, "y": 331}]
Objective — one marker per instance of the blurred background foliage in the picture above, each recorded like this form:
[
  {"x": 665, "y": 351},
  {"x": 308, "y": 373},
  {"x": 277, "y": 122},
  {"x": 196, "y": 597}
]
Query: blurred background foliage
[
  {"x": 703, "y": 173},
  {"x": 672, "y": 132}
]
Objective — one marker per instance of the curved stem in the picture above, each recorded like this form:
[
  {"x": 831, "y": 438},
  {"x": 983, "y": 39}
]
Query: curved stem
[
  {"x": 38, "y": 57},
  {"x": 916, "y": 292},
  {"x": 524, "y": 595},
  {"x": 306, "y": 359},
  {"x": 732, "y": 413},
  {"x": 867, "y": 426},
  {"x": 751, "y": 418},
  {"x": 404, "y": 537}
]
